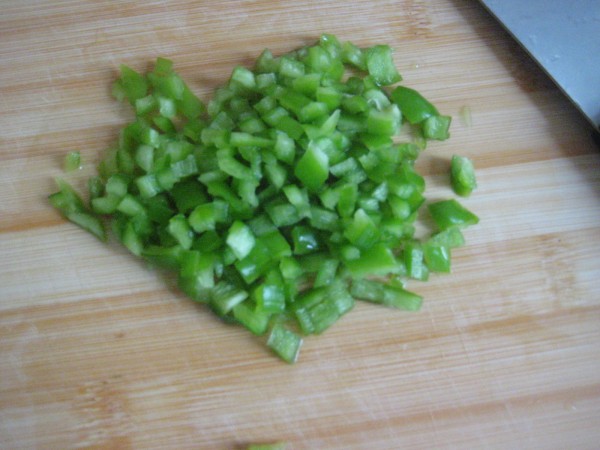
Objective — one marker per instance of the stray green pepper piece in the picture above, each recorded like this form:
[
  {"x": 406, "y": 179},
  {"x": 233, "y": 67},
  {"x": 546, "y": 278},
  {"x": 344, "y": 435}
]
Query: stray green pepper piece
[
  {"x": 72, "y": 161},
  {"x": 462, "y": 175}
]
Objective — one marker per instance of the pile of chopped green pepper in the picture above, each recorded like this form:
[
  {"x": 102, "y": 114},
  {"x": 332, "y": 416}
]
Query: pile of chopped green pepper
[{"x": 285, "y": 197}]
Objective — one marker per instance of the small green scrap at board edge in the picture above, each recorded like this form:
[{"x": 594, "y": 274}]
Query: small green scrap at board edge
[{"x": 287, "y": 196}]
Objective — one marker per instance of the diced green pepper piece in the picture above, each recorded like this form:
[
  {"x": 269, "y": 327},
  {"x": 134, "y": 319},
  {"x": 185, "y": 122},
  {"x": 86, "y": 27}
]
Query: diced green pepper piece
[
  {"x": 353, "y": 55},
  {"x": 327, "y": 273},
  {"x": 148, "y": 186},
  {"x": 378, "y": 260},
  {"x": 285, "y": 343},
  {"x": 256, "y": 263},
  {"x": 437, "y": 257},
  {"x": 242, "y": 78},
  {"x": 225, "y": 296},
  {"x": 240, "y": 239},
  {"x": 462, "y": 175},
  {"x": 88, "y": 222},
  {"x": 72, "y": 161},
  {"x": 392, "y": 296},
  {"x": 181, "y": 231},
  {"x": 450, "y": 213},
  {"x": 436, "y": 127},
  {"x": 414, "y": 261},
  {"x": 384, "y": 122},
  {"x": 361, "y": 230},
  {"x": 134, "y": 85},
  {"x": 106, "y": 204},
  {"x": 451, "y": 237},
  {"x": 413, "y": 105},
  {"x": 257, "y": 321},
  {"x": 313, "y": 168},
  {"x": 381, "y": 66},
  {"x": 270, "y": 295},
  {"x": 131, "y": 206},
  {"x": 305, "y": 240}
]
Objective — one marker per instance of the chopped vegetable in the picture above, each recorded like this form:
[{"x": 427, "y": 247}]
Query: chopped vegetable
[
  {"x": 462, "y": 175},
  {"x": 450, "y": 213},
  {"x": 279, "y": 201},
  {"x": 72, "y": 161}
]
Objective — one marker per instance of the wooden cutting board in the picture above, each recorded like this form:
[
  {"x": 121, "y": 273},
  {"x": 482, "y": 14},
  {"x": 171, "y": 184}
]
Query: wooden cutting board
[{"x": 96, "y": 351}]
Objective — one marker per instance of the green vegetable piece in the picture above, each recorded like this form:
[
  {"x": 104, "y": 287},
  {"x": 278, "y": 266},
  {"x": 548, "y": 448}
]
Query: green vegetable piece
[
  {"x": 353, "y": 55},
  {"x": 206, "y": 216},
  {"x": 285, "y": 343},
  {"x": 270, "y": 295},
  {"x": 160, "y": 256},
  {"x": 326, "y": 273},
  {"x": 256, "y": 263},
  {"x": 451, "y": 237},
  {"x": 187, "y": 195},
  {"x": 391, "y": 296},
  {"x": 181, "y": 231},
  {"x": 305, "y": 240},
  {"x": 148, "y": 186},
  {"x": 313, "y": 168},
  {"x": 450, "y": 213},
  {"x": 381, "y": 65},
  {"x": 276, "y": 244},
  {"x": 283, "y": 214},
  {"x": 361, "y": 230},
  {"x": 131, "y": 206},
  {"x": 257, "y": 321},
  {"x": 378, "y": 260},
  {"x": 225, "y": 296},
  {"x": 413, "y": 105},
  {"x": 290, "y": 68},
  {"x": 88, "y": 222},
  {"x": 68, "y": 202},
  {"x": 240, "y": 239},
  {"x": 242, "y": 78},
  {"x": 189, "y": 105},
  {"x": 72, "y": 161},
  {"x": 133, "y": 84},
  {"x": 437, "y": 257},
  {"x": 436, "y": 127},
  {"x": 307, "y": 84},
  {"x": 414, "y": 261},
  {"x": 95, "y": 187},
  {"x": 106, "y": 204},
  {"x": 290, "y": 268},
  {"x": 384, "y": 122},
  {"x": 462, "y": 175}
]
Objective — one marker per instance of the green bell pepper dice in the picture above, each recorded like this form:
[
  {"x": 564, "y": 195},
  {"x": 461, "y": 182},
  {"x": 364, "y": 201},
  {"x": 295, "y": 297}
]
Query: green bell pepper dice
[
  {"x": 313, "y": 168},
  {"x": 462, "y": 175},
  {"x": 449, "y": 213},
  {"x": 413, "y": 105}
]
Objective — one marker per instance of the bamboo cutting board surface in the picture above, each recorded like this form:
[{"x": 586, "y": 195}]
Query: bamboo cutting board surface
[{"x": 96, "y": 351}]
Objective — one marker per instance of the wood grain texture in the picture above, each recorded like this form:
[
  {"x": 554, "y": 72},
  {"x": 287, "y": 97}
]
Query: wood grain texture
[{"x": 98, "y": 352}]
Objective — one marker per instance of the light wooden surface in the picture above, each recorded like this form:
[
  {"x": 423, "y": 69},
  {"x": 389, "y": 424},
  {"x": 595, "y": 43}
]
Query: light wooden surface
[{"x": 98, "y": 352}]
